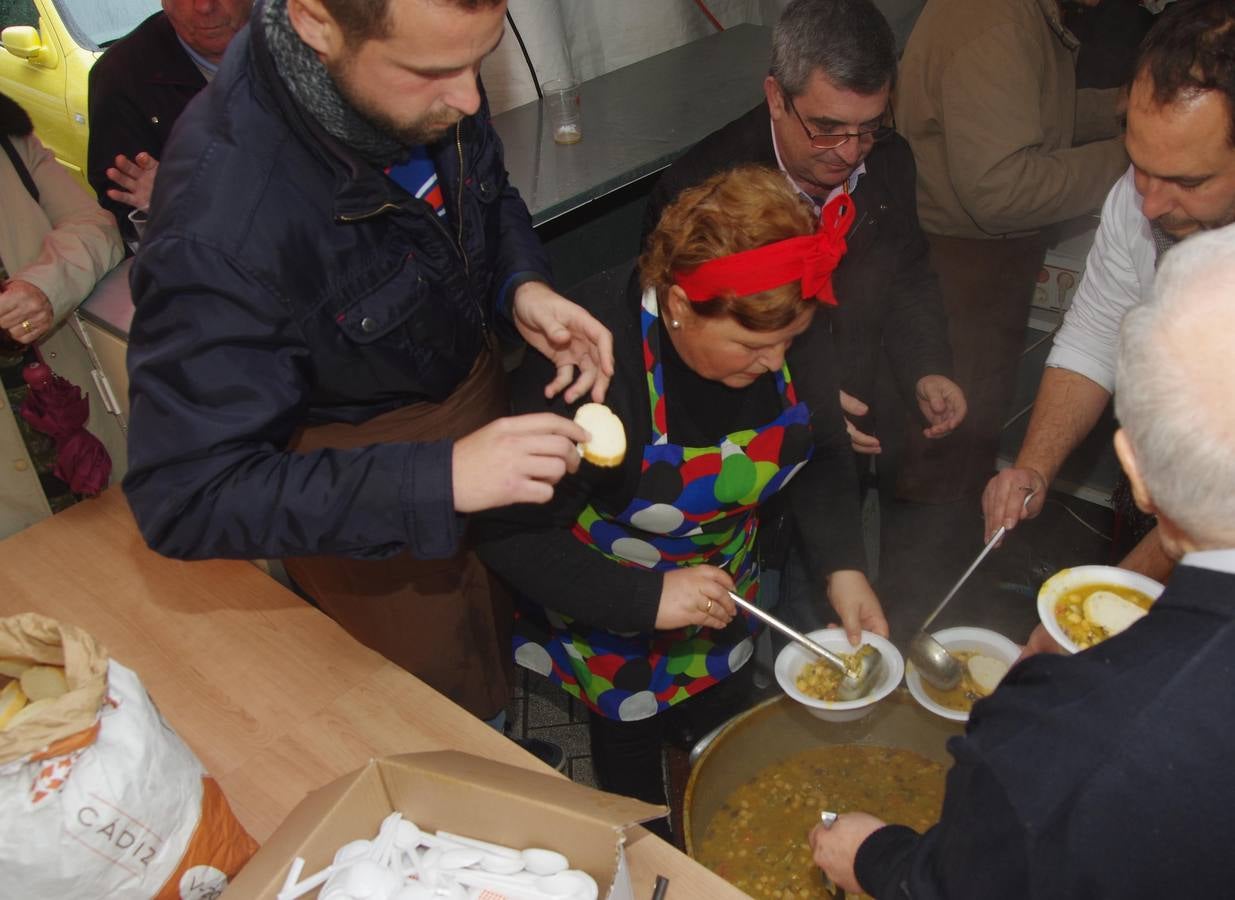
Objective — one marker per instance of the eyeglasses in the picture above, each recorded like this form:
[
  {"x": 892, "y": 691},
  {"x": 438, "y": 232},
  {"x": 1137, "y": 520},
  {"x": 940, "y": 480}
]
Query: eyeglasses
[{"x": 823, "y": 140}]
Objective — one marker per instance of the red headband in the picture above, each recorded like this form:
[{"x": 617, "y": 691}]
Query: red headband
[{"x": 810, "y": 259}]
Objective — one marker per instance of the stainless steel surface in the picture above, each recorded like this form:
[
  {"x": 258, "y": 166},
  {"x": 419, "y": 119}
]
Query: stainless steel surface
[
  {"x": 856, "y": 683},
  {"x": 777, "y": 729},
  {"x": 636, "y": 120},
  {"x": 110, "y": 304}
]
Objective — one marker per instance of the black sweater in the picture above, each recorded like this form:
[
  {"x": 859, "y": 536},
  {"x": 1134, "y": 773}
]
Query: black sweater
[{"x": 531, "y": 546}]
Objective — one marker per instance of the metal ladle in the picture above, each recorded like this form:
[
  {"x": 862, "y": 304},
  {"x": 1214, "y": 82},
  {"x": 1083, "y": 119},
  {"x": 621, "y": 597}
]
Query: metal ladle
[
  {"x": 932, "y": 660},
  {"x": 859, "y": 676}
]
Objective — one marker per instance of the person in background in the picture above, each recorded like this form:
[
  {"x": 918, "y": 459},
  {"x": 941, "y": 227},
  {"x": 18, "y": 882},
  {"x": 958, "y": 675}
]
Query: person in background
[
  {"x": 55, "y": 244},
  {"x": 825, "y": 123},
  {"x": 1006, "y": 147},
  {"x": 313, "y": 360},
  {"x": 1181, "y": 138},
  {"x": 628, "y": 570},
  {"x": 1106, "y": 774},
  {"x": 139, "y": 87}
]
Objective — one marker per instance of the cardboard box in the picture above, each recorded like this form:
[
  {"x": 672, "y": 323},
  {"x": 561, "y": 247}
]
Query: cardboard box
[{"x": 460, "y": 793}]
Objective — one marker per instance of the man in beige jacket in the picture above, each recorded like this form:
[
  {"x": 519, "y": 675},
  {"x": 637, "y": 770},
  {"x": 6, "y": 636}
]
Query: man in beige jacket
[{"x": 987, "y": 99}]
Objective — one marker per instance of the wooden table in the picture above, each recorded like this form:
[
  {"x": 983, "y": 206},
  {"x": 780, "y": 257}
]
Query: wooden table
[{"x": 272, "y": 695}]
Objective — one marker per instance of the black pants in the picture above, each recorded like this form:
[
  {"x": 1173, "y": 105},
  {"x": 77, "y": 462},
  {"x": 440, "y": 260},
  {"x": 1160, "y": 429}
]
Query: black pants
[{"x": 627, "y": 757}]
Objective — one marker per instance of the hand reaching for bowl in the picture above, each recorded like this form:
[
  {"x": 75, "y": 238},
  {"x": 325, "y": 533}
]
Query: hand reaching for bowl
[
  {"x": 854, "y": 600},
  {"x": 696, "y": 595},
  {"x": 1040, "y": 641}
]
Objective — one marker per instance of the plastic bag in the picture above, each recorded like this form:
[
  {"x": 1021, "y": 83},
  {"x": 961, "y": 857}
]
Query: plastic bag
[{"x": 98, "y": 795}]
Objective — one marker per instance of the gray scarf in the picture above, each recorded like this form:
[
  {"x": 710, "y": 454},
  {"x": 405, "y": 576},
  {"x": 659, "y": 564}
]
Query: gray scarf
[{"x": 309, "y": 82}]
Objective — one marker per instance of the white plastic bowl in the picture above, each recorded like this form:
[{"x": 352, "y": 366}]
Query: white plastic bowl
[
  {"x": 965, "y": 639},
  {"x": 1066, "y": 580},
  {"x": 792, "y": 659}
]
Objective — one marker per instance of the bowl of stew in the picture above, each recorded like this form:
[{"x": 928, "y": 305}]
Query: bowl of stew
[
  {"x": 1083, "y": 606},
  {"x": 969, "y": 646},
  {"x": 813, "y": 682}
]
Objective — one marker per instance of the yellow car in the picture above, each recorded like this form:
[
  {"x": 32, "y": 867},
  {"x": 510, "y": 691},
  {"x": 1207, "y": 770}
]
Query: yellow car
[{"x": 48, "y": 49}]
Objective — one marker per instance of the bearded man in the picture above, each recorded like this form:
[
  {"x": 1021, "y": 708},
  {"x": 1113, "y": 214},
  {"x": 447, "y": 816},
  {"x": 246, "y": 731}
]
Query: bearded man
[
  {"x": 1181, "y": 140},
  {"x": 333, "y": 252}
]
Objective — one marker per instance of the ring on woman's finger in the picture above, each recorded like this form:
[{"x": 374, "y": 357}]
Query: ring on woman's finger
[
  {"x": 708, "y": 609},
  {"x": 26, "y": 326}
]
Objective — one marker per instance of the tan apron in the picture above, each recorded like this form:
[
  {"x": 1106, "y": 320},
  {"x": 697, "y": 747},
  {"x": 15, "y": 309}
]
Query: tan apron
[{"x": 447, "y": 621}]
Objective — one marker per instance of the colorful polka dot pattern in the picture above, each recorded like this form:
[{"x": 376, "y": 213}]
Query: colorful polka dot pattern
[{"x": 693, "y": 506}]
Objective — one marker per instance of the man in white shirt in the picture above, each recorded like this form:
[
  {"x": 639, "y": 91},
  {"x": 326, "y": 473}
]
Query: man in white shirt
[
  {"x": 1181, "y": 140},
  {"x": 1106, "y": 773}
]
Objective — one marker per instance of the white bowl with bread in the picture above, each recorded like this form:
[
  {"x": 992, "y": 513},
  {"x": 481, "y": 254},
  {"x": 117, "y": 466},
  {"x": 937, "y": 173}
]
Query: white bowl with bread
[
  {"x": 1085, "y": 605},
  {"x": 985, "y": 657}
]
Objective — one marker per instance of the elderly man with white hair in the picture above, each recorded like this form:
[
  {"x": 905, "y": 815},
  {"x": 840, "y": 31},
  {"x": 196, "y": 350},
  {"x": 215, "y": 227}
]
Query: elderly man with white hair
[{"x": 1108, "y": 774}]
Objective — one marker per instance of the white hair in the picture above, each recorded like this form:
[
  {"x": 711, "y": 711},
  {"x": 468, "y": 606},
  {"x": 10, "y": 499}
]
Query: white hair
[{"x": 1175, "y": 387}]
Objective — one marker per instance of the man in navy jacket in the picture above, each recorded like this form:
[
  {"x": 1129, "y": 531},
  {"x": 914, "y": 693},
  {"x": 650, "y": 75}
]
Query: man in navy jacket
[
  {"x": 1107, "y": 774},
  {"x": 333, "y": 251}
]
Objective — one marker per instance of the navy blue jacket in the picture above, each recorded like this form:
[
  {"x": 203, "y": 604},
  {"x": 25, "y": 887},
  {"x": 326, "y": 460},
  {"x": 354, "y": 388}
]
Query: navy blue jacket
[{"x": 282, "y": 282}]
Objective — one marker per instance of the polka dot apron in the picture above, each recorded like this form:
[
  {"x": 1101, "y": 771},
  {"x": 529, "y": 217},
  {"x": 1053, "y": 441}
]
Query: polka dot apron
[{"x": 692, "y": 506}]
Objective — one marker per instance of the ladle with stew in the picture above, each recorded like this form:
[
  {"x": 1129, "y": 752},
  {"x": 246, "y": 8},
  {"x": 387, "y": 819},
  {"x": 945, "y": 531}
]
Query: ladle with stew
[
  {"x": 932, "y": 660},
  {"x": 860, "y": 675}
]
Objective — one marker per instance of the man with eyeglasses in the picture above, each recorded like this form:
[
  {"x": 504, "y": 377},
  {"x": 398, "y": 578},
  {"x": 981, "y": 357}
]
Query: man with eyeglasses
[
  {"x": 988, "y": 101},
  {"x": 826, "y": 123}
]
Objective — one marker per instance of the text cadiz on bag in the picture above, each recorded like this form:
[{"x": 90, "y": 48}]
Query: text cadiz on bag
[{"x": 98, "y": 796}]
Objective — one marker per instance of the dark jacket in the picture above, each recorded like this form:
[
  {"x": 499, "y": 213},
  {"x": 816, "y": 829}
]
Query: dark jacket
[
  {"x": 138, "y": 89},
  {"x": 282, "y": 282},
  {"x": 532, "y": 545},
  {"x": 1106, "y": 775},
  {"x": 888, "y": 294}
]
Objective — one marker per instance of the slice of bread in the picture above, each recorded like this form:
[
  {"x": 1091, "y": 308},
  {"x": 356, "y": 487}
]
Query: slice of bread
[
  {"x": 608, "y": 444},
  {"x": 12, "y": 701},
  {"x": 44, "y": 683},
  {"x": 986, "y": 672},
  {"x": 1111, "y": 612}
]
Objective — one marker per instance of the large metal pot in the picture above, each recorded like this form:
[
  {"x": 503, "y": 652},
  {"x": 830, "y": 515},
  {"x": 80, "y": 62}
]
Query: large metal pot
[{"x": 778, "y": 728}]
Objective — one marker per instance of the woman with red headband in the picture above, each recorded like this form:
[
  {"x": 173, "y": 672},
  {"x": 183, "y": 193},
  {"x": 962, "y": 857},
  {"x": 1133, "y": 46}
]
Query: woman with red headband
[{"x": 627, "y": 568}]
